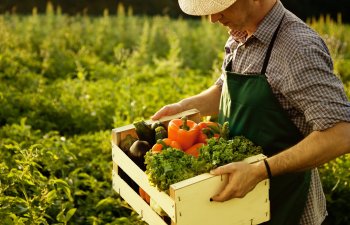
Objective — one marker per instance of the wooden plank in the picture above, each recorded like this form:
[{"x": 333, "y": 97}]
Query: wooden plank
[
  {"x": 130, "y": 168},
  {"x": 192, "y": 114},
  {"x": 255, "y": 158},
  {"x": 118, "y": 136},
  {"x": 136, "y": 202},
  {"x": 119, "y": 133},
  {"x": 194, "y": 207},
  {"x": 194, "y": 193}
]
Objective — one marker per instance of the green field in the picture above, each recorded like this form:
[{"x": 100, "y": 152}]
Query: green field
[{"x": 66, "y": 81}]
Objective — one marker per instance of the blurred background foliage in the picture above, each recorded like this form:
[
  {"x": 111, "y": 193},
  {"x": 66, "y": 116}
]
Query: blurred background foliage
[
  {"x": 67, "y": 80},
  {"x": 302, "y": 8}
]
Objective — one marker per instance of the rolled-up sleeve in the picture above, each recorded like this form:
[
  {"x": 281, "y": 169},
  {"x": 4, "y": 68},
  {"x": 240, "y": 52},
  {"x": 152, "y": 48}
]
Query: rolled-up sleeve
[
  {"x": 219, "y": 82},
  {"x": 314, "y": 89}
]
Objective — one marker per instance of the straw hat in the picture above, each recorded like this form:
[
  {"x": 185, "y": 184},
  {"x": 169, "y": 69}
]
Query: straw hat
[{"x": 204, "y": 7}]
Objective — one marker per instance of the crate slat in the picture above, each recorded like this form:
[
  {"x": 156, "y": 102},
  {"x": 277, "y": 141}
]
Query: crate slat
[
  {"x": 119, "y": 133},
  {"x": 130, "y": 168},
  {"x": 194, "y": 207},
  {"x": 135, "y": 201},
  {"x": 197, "y": 191}
]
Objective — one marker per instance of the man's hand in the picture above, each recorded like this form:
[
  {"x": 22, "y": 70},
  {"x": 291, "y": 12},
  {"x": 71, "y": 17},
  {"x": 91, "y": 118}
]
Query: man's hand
[
  {"x": 314, "y": 150},
  {"x": 243, "y": 177},
  {"x": 207, "y": 102},
  {"x": 168, "y": 110}
]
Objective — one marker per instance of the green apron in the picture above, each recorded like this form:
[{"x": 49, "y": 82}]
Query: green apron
[{"x": 249, "y": 105}]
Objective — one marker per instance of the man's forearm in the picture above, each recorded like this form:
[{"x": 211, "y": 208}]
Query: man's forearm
[
  {"x": 207, "y": 102},
  {"x": 316, "y": 149}
]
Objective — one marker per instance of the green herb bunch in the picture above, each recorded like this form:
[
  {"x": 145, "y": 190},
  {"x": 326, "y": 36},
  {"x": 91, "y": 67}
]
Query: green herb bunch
[
  {"x": 171, "y": 166},
  {"x": 220, "y": 151}
]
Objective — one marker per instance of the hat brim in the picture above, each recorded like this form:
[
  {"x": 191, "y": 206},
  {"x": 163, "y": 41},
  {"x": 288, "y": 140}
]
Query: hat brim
[{"x": 204, "y": 7}]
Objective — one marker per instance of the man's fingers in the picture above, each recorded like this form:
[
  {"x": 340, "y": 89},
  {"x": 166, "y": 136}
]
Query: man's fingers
[
  {"x": 167, "y": 110},
  {"x": 157, "y": 115},
  {"x": 221, "y": 170},
  {"x": 224, "y": 195},
  {"x": 237, "y": 186}
]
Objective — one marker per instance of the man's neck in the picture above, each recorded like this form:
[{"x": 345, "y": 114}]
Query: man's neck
[{"x": 263, "y": 7}]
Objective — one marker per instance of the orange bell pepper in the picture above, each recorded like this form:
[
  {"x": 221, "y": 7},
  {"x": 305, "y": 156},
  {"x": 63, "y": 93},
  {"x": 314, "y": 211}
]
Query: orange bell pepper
[
  {"x": 164, "y": 143},
  {"x": 194, "y": 149},
  {"x": 184, "y": 131},
  {"x": 208, "y": 130}
]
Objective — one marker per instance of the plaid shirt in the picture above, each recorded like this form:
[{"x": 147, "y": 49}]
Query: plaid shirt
[{"x": 300, "y": 75}]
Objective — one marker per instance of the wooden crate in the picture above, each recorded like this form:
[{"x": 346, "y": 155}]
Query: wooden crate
[{"x": 188, "y": 202}]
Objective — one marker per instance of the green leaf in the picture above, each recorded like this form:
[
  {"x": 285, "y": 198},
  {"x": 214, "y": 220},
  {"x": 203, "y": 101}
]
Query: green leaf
[
  {"x": 51, "y": 196},
  {"x": 70, "y": 213},
  {"x": 61, "y": 217},
  {"x": 105, "y": 202}
]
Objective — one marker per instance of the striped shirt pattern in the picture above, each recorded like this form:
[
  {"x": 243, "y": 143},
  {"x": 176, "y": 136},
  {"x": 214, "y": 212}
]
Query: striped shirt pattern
[{"x": 300, "y": 73}]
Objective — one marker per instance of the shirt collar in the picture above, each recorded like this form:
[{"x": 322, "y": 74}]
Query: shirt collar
[
  {"x": 239, "y": 36},
  {"x": 265, "y": 29}
]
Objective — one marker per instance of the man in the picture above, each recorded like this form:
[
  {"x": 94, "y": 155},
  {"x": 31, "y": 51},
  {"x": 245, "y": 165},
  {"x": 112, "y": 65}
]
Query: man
[{"x": 277, "y": 89}]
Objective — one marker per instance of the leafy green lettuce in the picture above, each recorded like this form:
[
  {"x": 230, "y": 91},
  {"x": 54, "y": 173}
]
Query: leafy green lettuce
[{"x": 172, "y": 166}]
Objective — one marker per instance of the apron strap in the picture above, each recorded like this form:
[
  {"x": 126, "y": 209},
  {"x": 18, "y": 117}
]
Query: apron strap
[{"x": 269, "y": 50}]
